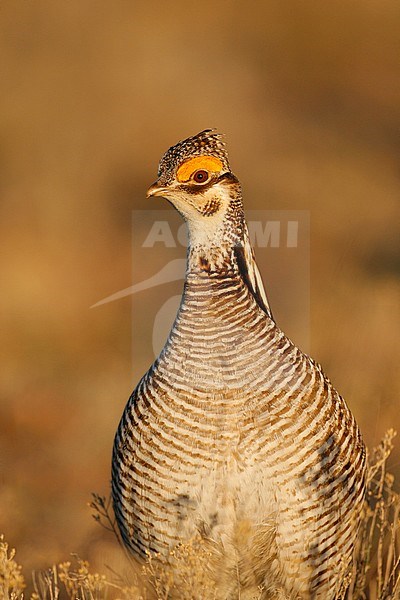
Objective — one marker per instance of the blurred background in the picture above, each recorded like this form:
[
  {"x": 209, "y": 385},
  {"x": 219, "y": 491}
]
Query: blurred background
[{"x": 308, "y": 95}]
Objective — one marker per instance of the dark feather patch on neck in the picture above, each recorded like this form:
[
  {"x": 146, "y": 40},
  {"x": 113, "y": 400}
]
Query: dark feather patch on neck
[{"x": 242, "y": 264}]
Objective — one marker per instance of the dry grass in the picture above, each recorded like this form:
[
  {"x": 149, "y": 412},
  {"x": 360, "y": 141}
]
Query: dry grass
[
  {"x": 376, "y": 568},
  {"x": 375, "y": 574},
  {"x": 11, "y": 579}
]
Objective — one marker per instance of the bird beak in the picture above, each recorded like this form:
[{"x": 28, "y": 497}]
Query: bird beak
[{"x": 156, "y": 190}]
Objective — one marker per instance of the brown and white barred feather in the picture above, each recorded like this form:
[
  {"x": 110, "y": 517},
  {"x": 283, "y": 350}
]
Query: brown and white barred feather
[{"x": 233, "y": 429}]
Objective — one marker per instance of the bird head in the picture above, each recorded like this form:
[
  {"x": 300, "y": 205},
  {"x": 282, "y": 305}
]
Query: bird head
[{"x": 194, "y": 175}]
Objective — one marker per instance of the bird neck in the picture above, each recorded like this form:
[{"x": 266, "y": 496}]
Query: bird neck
[
  {"x": 212, "y": 240},
  {"x": 222, "y": 252}
]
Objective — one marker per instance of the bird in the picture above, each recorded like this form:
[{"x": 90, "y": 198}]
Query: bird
[{"x": 234, "y": 434}]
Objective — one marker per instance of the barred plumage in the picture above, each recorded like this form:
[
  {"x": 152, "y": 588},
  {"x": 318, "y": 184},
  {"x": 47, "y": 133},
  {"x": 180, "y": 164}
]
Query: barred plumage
[{"x": 233, "y": 428}]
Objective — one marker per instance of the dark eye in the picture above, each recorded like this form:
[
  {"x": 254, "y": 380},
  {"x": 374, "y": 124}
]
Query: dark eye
[{"x": 200, "y": 176}]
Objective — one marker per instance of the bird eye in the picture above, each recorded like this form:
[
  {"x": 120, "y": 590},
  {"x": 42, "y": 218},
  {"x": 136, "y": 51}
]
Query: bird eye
[{"x": 200, "y": 176}]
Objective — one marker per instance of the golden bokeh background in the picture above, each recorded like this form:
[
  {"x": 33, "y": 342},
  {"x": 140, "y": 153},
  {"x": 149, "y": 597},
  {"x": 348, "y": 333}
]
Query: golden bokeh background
[{"x": 308, "y": 95}]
